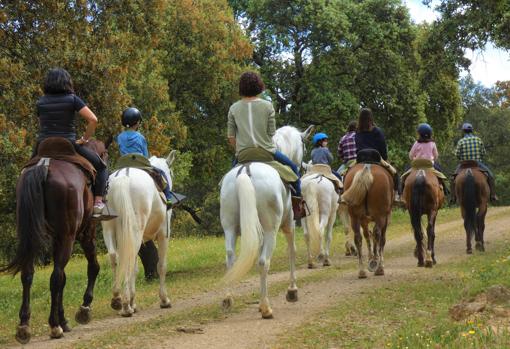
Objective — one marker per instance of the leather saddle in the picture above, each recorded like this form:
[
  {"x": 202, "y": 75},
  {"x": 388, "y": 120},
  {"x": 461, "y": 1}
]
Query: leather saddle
[{"x": 368, "y": 156}]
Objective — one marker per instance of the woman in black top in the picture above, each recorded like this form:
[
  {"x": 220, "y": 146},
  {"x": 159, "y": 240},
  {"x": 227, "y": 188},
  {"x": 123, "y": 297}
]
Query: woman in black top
[{"x": 56, "y": 111}]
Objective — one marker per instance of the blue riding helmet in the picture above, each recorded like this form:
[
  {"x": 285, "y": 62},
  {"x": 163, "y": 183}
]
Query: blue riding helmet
[
  {"x": 467, "y": 127},
  {"x": 424, "y": 130},
  {"x": 319, "y": 137}
]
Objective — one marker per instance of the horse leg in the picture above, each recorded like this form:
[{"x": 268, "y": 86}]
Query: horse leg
[
  {"x": 372, "y": 263},
  {"x": 430, "y": 257},
  {"x": 132, "y": 287},
  {"x": 350, "y": 249},
  {"x": 108, "y": 233},
  {"x": 469, "y": 248},
  {"x": 88, "y": 245},
  {"x": 292, "y": 291},
  {"x": 264, "y": 263},
  {"x": 480, "y": 246},
  {"x": 61, "y": 255},
  {"x": 311, "y": 264},
  {"x": 382, "y": 243},
  {"x": 323, "y": 220},
  {"x": 329, "y": 237},
  {"x": 162, "y": 250},
  {"x": 358, "y": 240},
  {"x": 23, "y": 332},
  {"x": 230, "y": 248}
]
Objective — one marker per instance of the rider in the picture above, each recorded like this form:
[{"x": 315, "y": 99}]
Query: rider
[
  {"x": 251, "y": 124},
  {"x": 369, "y": 136},
  {"x": 471, "y": 147},
  {"x": 347, "y": 147},
  {"x": 425, "y": 148},
  {"x": 56, "y": 111},
  {"x": 320, "y": 152},
  {"x": 132, "y": 141}
]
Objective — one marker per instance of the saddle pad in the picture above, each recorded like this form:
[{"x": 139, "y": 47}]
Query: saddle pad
[
  {"x": 133, "y": 160},
  {"x": 62, "y": 149},
  {"x": 262, "y": 155},
  {"x": 324, "y": 170},
  {"x": 423, "y": 164}
]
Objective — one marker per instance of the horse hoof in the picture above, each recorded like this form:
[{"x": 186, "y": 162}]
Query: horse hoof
[
  {"x": 291, "y": 296},
  {"x": 116, "y": 303},
  {"x": 479, "y": 247},
  {"x": 379, "y": 271},
  {"x": 320, "y": 257},
  {"x": 56, "y": 332},
  {"x": 227, "y": 303},
  {"x": 372, "y": 265},
  {"x": 428, "y": 264},
  {"x": 362, "y": 274},
  {"x": 268, "y": 314},
  {"x": 83, "y": 315},
  {"x": 311, "y": 266},
  {"x": 65, "y": 327},
  {"x": 126, "y": 313},
  {"x": 469, "y": 251},
  {"x": 166, "y": 304},
  {"x": 326, "y": 263},
  {"x": 23, "y": 334},
  {"x": 420, "y": 264}
]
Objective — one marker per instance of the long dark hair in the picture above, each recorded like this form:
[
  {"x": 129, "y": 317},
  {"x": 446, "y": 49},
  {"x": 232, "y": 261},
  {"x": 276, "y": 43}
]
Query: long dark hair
[
  {"x": 365, "y": 120},
  {"x": 57, "y": 81}
]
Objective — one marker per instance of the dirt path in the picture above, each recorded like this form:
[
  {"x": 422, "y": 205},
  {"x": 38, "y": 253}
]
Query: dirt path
[{"x": 248, "y": 330}]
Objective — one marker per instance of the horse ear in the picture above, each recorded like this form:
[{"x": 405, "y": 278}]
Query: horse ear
[
  {"x": 308, "y": 132},
  {"x": 108, "y": 141},
  {"x": 171, "y": 157}
]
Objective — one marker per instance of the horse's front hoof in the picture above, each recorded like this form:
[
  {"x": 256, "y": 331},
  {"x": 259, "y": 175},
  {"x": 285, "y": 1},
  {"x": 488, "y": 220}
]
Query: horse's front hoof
[
  {"x": 362, "y": 274},
  {"x": 166, "y": 304},
  {"x": 227, "y": 303},
  {"x": 65, "y": 326},
  {"x": 469, "y": 251},
  {"x": 116, "y": 303},
  {"x": 291, "y": 296},
  {"x": 379, "y": 271},
  {"x": 326, "y": 263},
  {"x": 372, "y": 265},
  {"x": 56, "y": 332},
  {"x": 23, "y": 334},
  {"x": 83, "y": 315},
  {"x": 267, "y": 314},
  {"x": 429, "y": 264}
]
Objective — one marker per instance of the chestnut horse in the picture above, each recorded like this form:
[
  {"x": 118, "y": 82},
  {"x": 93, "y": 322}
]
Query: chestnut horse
[
  {"x": 368, "y": 192},
  {"x": 54, "y": 207},
  {"x": 472, "y": 191},
  {"x": 423, "y": 195}
]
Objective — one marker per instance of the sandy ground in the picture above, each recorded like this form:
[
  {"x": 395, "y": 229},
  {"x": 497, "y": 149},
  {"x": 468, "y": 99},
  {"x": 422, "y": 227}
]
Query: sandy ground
[{"x": 248, "y": 330}]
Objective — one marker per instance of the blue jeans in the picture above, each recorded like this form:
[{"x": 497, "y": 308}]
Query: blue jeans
[
  {"x": 283, "y": 159},
  {"x": 166, "y": 191},
  {"x": 337, "y": 175}
]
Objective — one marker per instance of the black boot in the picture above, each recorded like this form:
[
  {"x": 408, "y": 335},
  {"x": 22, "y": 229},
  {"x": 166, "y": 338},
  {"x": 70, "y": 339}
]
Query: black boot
[
  {"x": 492, "y": 188},
  {"x": 149, "y": 255}
]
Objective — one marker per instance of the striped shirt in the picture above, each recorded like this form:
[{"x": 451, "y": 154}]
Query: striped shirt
[
  {"x": 347, "y": 147},
  {"x": 470, "y": 148}
]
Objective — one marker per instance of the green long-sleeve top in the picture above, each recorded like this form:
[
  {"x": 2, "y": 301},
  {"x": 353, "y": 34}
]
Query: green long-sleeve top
[{"x": 253, "y": 124}]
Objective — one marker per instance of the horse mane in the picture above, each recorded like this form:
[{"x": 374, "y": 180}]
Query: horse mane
[{"x": 288, "y": 140}]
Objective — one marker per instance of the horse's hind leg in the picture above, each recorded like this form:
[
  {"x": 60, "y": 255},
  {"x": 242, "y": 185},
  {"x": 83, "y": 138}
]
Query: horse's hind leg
[
  {"x": 329, "y": 237},
  {"x": 88, "y": 245},
  {"x": 162, "y": 250},
  {"x": 358, "y": 240},
  {"x": 480, "y": 244},
  {"x": 230, "y": 248},
  {"x": 430, "y": 258},
  {"x": 23, "y": 332},
  {"x": 108, "y": 235},
  {"x": 292, "y": 291},
  {"x": 264, "y": 264},
  {"x": 381, "y": 226},
  {"x": 469, "y": 235}
]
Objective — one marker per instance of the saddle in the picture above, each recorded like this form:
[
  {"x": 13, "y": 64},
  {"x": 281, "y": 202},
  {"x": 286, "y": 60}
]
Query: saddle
[
  {"x": 323, "y": 170},
  {"x": 135, "y": 160},
  {"x": 368, "y": 156},
  {"x": 262, "y": 155},
  {"x": 59, "y": 148},
  {"x": 423, "y": 164}
]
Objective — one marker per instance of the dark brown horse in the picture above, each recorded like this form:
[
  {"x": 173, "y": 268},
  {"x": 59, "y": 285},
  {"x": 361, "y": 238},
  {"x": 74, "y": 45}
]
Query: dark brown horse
[
  {"x": 472, "y": 191},
  {"x": 54, "y": 207},
  {"x": 423, "y": 195},
  {"x": 369, "y": 196}
]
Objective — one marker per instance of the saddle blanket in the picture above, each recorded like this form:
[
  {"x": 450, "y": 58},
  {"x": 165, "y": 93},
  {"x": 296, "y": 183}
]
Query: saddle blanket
[
  {"x": 423, "y": 164},
  {"x": 325, "y": 171},
  {"x": 135, "y": 160},
  {"x": 262, "y": 155}
]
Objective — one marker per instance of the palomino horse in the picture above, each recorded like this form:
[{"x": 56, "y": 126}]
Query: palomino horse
[
  {"x": 423, "y": 195},
  {"x": 142, "y": 216},
  {"x": 322, "y": 200},
  {"x": 472, "y": 191},
  {"x": 54, "y": 207},
  {"x": 369, "y": 196},
  {"x": 255, "y": 203}
]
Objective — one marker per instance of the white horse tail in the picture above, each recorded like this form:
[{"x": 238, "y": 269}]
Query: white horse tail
[
  {"x": 126, "y": 228},
  {"x": 360, "y": 186},
  {"x": 251, "y": 230},
  {"x": 313, "y": 220}
]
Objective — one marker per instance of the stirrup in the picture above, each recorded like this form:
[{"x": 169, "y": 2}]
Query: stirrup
[{"x": 104, "y": 213}]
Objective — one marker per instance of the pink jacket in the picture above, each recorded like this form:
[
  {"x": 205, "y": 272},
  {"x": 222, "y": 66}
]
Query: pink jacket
[{"x": 424, "y": 151}]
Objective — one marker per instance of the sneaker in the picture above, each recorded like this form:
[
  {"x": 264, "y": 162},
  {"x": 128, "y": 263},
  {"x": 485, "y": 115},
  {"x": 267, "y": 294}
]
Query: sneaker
[
  {"x": 101, "y": 212},
  {"x": 98, "y": 208}
]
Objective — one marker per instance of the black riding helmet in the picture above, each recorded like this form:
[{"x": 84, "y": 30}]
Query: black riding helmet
[{"x": 131, "y": 116}]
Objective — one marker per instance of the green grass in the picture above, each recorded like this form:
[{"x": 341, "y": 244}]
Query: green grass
[
  {"x": 413, "y": 313},
  {"x": 195, "y": 265}
]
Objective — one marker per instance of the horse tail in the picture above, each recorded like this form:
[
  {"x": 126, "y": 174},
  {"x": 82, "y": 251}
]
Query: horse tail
[
  {"x": 126, "y": 227},
  {"x": 416, "y": 207},
  {"x": 34, "y": 239},
  {"x": 312, "y": 221},
  {"x": 251, "y": 230},
  {"x": 360, "y": 186},
  {"x": 469, "y": 201}
]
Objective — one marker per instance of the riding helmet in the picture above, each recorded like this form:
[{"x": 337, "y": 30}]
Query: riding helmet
[
  {"x": 424, "y": 130},
  {"x": 319, "y": 137},
  {"x": 467, "y": 127},
  {"x": 131, "y": 116}
]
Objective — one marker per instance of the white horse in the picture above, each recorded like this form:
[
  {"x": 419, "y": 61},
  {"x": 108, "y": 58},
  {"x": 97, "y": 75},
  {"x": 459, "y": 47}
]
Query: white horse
[
  {"x": 322, "y": 200},
  {"x": 142, "y": 216},
  {"x": 256, "y": 204}
]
